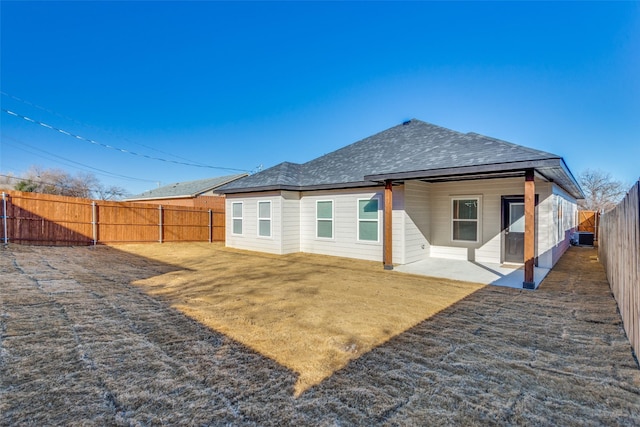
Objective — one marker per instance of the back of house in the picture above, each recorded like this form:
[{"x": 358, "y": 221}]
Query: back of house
[{"x": 411, "y": 192}]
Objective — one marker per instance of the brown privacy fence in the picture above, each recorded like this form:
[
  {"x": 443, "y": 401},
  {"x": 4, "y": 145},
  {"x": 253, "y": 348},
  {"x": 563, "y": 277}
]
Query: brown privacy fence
[
  {"x": 619, "y": 252},
  {"x": 43, "y": 219},
  {"x": 588, "y": 221}
]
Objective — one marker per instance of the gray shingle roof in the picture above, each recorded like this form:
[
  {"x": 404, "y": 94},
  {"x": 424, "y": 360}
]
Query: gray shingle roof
[
  {"x": 412, "y": 146},
  {"x": 187, "y": 189}
]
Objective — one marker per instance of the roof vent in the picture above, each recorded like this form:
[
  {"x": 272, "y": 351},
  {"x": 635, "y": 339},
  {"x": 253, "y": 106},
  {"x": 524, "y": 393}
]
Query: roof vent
[{"x": 406, "y": 122}]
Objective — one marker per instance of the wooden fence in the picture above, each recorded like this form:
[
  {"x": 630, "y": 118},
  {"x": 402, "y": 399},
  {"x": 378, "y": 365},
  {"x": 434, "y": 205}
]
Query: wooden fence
[
  {"x": 588, "y": 221},
  {"x": 619, "y": 252},
  {"x": 42, "y": 219}
]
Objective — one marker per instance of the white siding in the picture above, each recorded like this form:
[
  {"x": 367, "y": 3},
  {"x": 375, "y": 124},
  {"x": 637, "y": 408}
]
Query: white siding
[
  {"x": 344, "y": 242},
  {"x": 421, "y": 221},
  {"x": 399, "y": 224},
  {"x": 557, "y": 220},
  {"x": 290, "y": 222},
  {"x": 416, "y": 215},
  {"x": 549, "y": 247},
  {"x": 249, "y": 239},
  {"x": 489, "y": 249}
]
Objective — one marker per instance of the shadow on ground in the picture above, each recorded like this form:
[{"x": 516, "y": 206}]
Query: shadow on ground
[{"x": 99, "y": 351}]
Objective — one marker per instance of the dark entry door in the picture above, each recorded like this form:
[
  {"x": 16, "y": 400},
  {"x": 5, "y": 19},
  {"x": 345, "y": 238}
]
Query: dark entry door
[{"x": 513, "y": 226}]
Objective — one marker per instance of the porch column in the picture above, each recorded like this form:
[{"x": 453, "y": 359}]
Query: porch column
[
  {"x": 529, "y": 229},
  {"x": 388, "y": 228}
]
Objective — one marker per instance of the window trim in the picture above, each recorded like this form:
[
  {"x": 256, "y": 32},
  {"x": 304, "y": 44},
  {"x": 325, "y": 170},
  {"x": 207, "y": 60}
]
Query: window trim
[
  {"x": 332, "y": 219},
  {"x": 241, "y": 218},
  {"x": 478, "y": 220},
  {"x": 270, "y": 219},
  {"x": 358, "y": 219}
]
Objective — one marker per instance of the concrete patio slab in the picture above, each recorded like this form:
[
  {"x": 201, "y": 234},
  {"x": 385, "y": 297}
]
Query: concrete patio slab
[{"x": 510, "y": 276}]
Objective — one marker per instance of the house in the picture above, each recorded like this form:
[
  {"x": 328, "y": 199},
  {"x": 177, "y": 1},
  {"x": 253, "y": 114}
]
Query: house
[
  {"x": 412, "y": 192},
  {"x": 199, "y": 193}
]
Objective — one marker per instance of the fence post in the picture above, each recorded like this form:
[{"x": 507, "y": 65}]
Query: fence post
[
  {"x": 210, "y": 226},
  {"x": 94, "y": 222},
  {"x": 160, "y": 223},
  {"x": 4, "y": 217}
]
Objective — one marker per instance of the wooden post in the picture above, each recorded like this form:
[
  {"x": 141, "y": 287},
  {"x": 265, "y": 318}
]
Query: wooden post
[
  {"x": 529, "y": 229},
  {"x": 4, "y": 217},
  {"x": 94, "y": 222},
  {"x": 388, "y": 228},
  {"x": 210, "y": 226},
  {"x": 160, "y": 223}
]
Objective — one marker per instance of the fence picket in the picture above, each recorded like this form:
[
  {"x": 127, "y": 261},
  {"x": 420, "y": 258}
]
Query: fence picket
[
  {"x": 619, "y": 252},
  {"x": 45, "y": 219}
]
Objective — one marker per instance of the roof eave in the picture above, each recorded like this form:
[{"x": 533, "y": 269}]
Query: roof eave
[
  {"x": 466, "y": 170},
  {"x": 571, "y": 186},
  {"x": 331, "y": 186},
  {"x": 141, "y": 199}
]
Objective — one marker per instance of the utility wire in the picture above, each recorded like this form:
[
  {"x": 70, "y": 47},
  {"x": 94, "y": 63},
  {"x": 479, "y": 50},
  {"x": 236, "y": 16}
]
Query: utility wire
[
  {"x": 101, "y": 171},
  {"x": 122, "y": 150},
  {"x": 31, "y": 104}
]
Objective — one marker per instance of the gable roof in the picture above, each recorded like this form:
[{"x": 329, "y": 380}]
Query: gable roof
[
  {"x": 186, "y": 189},
  {"x": 412, "y": 150}
]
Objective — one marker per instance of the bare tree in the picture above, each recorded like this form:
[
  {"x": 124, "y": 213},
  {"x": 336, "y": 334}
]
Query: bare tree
[
  {"x": 7, "y": 181},
  {"x": 602, "y": 192},
  {"x": 56, "y": 181},
  {"x": 112, "y": 192}
]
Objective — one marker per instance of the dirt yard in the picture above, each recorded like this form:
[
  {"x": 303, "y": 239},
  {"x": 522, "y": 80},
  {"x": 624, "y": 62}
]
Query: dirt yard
[{"x": 108, "y": 336}]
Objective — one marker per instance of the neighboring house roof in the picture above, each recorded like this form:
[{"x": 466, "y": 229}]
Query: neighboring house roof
[
  {"x": 187, "y": 189},
  {"x": 412, "y": 150}
]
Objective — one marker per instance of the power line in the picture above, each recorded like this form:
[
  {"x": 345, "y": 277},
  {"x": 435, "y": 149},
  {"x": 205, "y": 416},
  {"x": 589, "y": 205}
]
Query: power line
[
  {"x": 122, "y": 150},
  {"x": 31, "y": 104},
  {"x": 100, "y": 171}
]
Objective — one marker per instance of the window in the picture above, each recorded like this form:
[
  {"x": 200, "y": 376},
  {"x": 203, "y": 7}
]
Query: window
[
  {"x": 324, "y": 219},
  {"x": 264, "y": 219},
  {"x": 368, "y": 220},
  {"x": 236, "y": 215},
  {"x": 465, "y": 218}
]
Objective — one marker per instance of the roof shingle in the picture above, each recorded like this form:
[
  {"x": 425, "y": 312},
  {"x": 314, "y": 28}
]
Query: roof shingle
[{"x": 412, "y": 146}]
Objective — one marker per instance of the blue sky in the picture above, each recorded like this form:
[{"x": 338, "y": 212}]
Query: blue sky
[{"x": 242, "y": 84}]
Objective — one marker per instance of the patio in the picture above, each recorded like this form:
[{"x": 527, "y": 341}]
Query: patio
[{"x": 508, "y": 275}]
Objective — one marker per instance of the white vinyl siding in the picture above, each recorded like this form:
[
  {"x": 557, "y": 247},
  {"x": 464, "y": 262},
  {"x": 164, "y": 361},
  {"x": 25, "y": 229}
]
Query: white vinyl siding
[
  {"x": 417, "y": 213},
  {"x": 368, "y": 220},
  {"x": 290, "y": 222},
  {"x": 264, "y": 219},
  {"x": 465, "y": 218},
  {"x": 345, "y": 224},
  {"x": 488, "y": 248},
  {"x": 422, "y": 221},
  {"x": 236, "y": 215},
  {"x": 250, "y": 238},
  {"x": 324, "y": 219},
  {"x": 557, "y": 219}
]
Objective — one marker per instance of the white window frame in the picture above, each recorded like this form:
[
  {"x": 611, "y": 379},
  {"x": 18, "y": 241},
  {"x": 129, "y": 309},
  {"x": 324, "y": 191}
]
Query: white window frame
[
  {"x": 241, "y": 218},
  {"x": 478, "y": 220},
  {"x": 332, "y": 219},
  {"x": 270, "y": 219},
  {"x": 358, "y": 219}
]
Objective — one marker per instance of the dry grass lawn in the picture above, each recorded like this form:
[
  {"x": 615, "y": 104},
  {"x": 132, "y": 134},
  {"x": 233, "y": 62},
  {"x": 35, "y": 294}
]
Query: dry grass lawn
[
  {"x": 310, "y": 313},
  {"x": 80, "y": 344}
]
